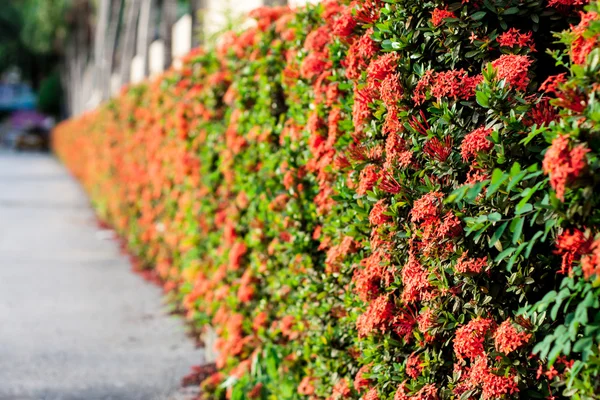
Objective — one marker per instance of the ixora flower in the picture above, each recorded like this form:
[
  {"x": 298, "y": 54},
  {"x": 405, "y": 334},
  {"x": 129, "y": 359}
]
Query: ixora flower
[
  {"x": 583, "y": 44},
  {"x": 476, "y": 142},
  {"x": 427, "y": 207},
  {"x": 564, "y": 162},
  {"x": 590, "y": 264},
  {"x": 452, "y": 84},
  {"x": 507, "y": 338},
  {"x": 514, "y": 37},
  {"x": 469, "y": 339},
  {"x": 466, "y": 265},
  {"x": 571, "y": 245},
  {"x": 514, "y": 69},
  {"x": 379, "y": 316},
  {"x": 439, "y": 15},
  {"x": 372, "y": 394},
  {"x": 377, "y": 215}
]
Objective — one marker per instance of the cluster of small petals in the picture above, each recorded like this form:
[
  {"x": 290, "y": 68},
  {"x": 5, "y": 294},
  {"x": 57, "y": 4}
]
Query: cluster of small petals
[
  {"x": 367, "y": 11},
  {"x": 306, "y": 386},
  {"x": 360, "y": 382},
  {"x": 553, "y": 82},
  {"x": 401, "y": 393},
  {"x": 496, "y": 386},
  {"x": 380, "y": 68},
  {"x": 450, "y": 227},
  {"x": 379, "y": 316},
  {"x": 542, "y": 113},
  {"x": 404, "y": 324},
  {"x": 338, "y": 252},
  {"x": 413, "y": 366},
  {"x": 368, "y": 177},
  {"x": 359, "y": 53},
  {"x": 564, "y": 163},
  {"x": 590, "y": 264},
  {"x": 427, "y": 207},
  {"x": 454, "y": 84},
  {"x": 344, "y": 25},
  {"x": 493, "y": 386},
  {"x": 314, "y": 64},
  {"x": 507, "y": 338},
  {"x": 391, "y": 90},
  {"x": 466, "y": 265},
  {"x": 392, "y": 124},
  {"x": 341, "y": 390},
  {"x": 571, "y": 245},
  {"x": 427, "y": 392},
  {"x": 469, "y": 339},
  {"x": 476, "y": 142},
  {"x": 377, "y": 215},
  {"x": 426, "y": 320},
  {"x": 367, "y": 281},
  {"x": 317, "y": 39},
  {"x": 566, "y": 3},
  {"x": 415, "y": 280},
  {"x": 372, "y": 394},
  {"x": 514, "y": 37},
  {"x": 514, "y": 69},
  {"x": 360, "y": 109},
  {"x": 420, "y": 91},
  {"x": 583, "y": 44},
  {"x": 439, "y": 15},
  {"x": 475, "y": 175},
  {"x": 265, "y": 16}
]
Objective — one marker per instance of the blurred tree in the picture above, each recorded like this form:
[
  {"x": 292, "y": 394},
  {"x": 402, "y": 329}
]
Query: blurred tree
[{"x": 44, "y": 24}]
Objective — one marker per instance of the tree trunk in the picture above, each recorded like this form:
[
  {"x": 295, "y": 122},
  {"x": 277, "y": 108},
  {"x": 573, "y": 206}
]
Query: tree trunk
[
  {"x": 100, "y": 45},
  {"x": 169, "y": 16},
  {"x": 132, "y": 11},
  {"x": 145, "y": 33},
  {"x": 110, "y": 45},
  {"x": 196, "y": 8}
]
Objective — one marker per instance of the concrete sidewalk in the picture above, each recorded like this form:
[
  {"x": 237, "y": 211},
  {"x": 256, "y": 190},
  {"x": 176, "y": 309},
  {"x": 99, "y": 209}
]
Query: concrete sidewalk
[{"x": 76, "y": 323}]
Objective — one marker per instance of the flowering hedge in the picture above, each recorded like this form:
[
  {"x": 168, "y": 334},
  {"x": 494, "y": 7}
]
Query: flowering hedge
[{"x": 376, "y": 199}]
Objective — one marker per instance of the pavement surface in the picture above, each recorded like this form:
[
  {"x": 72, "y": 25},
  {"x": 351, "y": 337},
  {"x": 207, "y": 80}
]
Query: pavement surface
[{"x": 75, "y": 322}]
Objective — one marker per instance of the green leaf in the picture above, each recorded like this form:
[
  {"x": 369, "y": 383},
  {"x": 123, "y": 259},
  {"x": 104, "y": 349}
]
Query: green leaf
[
  {"x": 478, "y": 15},
  {"x": 505, "y": 254},
  {"x": 498, "y": 178},
  {"x": 517, "y": 229},
  {"x": 510, "y": 11},
  {"x": 497, "y": 234},
  {"x": 532, "y": 243},
  {"x": 482, "y": 99},
  {"x": 523, "y": 208}
]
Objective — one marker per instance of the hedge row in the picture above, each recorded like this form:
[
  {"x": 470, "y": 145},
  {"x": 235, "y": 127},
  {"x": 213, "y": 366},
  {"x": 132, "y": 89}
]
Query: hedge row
[{"x": 377, "y": 199}]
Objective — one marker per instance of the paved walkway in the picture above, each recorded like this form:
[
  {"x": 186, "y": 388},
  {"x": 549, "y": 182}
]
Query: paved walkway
[{"x": 75, "y": 322}]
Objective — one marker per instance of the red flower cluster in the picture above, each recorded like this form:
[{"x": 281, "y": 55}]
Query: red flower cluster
[
  {"x": 453, "y": 84},
  {"x": 564, "y": 163},
  {"x": 476, "y": 142},
  {"x": 571, "y": 245},
  {"x": 507, "y": 339},
  {"x": 514, "y": 69},
  {"x": 469, "y": 338},
  {"x": 379, "y": 316},
  {"x": 514, "y": 37},
  {"x": 427, "y": 207},
  {"x": 470, "y": 266},
  {"x": 439, "y": 15},
  {"x": 583, "y": 44}
]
